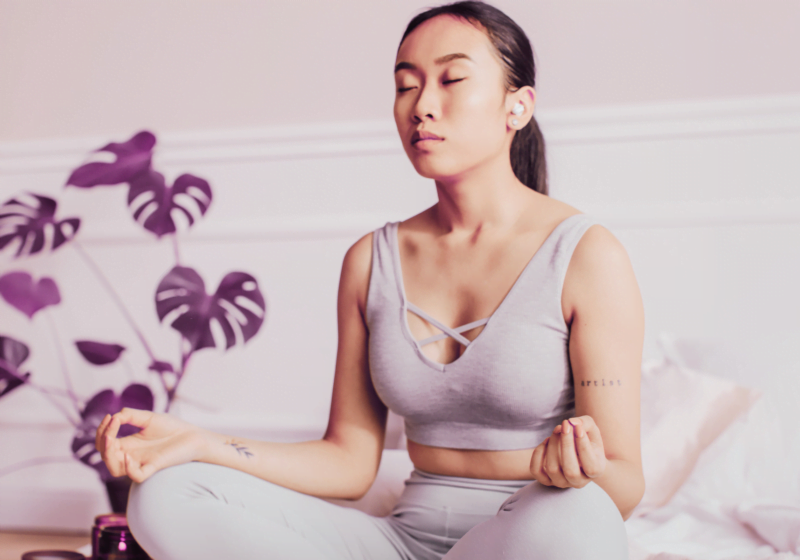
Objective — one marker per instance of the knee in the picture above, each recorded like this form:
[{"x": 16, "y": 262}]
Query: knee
[
  {"x": 161, "y": 486},
  {"x": 568, "y": 523},
  {"x": 153, "y": 502}
]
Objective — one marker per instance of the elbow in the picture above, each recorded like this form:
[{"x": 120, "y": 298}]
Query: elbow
[
  {"x": 356, "y": 468},
  {"x": 626, "y": 514},
  {"x": 363, "y": 483}
]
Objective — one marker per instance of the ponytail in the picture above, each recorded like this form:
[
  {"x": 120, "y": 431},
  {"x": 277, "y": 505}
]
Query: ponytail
[{"x": 527, "y": 157}]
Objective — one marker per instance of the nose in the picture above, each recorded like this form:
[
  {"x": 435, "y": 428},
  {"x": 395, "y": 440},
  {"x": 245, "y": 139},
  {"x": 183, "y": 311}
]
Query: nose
[{"x": 427, "y": 104}]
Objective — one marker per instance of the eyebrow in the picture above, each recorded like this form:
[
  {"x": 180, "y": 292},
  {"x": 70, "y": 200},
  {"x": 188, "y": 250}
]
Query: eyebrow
[{"x": 440, "y": 60}]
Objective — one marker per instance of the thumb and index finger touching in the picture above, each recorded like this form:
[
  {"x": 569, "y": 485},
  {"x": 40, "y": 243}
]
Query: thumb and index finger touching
[
  {"x": 109, "y": 426},
  {"x": 585, "y": 425}
]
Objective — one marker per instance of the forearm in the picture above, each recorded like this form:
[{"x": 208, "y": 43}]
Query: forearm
[
  {"x": 623, "y": 481},
  {"x": 320, "y": 468}
]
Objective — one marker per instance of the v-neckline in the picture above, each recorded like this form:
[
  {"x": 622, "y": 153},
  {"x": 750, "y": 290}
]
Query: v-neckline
[{"x": 404, "y": 301}]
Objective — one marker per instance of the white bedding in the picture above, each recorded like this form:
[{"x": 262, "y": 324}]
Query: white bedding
[
  {"x": 740, "y": 502},
  {"x": 742, "y": 499}
]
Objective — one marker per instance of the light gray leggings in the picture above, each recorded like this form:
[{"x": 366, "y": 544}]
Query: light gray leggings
[{"x": 202, "y": 511}]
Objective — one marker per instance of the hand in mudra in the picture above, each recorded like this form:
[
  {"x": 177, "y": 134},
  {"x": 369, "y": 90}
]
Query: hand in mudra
[
  {"x": 163, "y": 441},
  {"x": 571, "y": 456}
]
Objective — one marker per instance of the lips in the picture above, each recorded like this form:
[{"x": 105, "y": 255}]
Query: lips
[{"x": 423, "y": 135}]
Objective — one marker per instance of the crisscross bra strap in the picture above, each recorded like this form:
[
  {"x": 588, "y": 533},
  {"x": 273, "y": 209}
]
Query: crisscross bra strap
[{"x": 446, "y": 331}]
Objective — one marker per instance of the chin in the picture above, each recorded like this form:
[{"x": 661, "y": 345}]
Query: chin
[{"x": 436, "y": 167}]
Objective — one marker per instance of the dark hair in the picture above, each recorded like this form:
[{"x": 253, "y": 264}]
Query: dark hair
[{"x": 514, "y": 48}]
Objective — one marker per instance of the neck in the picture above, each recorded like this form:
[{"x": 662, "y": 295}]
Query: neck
[{"x": 485, "y": 198}]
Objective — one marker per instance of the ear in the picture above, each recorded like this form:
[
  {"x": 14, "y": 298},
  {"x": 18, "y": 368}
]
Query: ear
[{"x": 526, "y": 96}]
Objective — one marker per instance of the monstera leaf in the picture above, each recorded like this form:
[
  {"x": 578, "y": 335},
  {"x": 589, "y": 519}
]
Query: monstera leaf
[
  {"x": 99, "y": 353},
  {"x": 20, "y": 291},
  {"x": 105, "y": 402},
  {"x": 237, "y": 303},
  {"x": 27, "y": 221},
  {"x": 152, "y": 201},
  {"x": 133, "y": 158},
  {"x": 12, "y": 354}
]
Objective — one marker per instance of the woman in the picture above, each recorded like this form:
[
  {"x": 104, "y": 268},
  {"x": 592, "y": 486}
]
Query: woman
[{"x": 522, "y": 422}]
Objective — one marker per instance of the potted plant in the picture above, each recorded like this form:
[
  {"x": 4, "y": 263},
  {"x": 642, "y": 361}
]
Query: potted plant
[{"x": 30, "y": 223}]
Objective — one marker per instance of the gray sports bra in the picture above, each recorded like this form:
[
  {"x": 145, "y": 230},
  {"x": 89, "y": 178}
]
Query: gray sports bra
[{"x": 510, "y": 386}]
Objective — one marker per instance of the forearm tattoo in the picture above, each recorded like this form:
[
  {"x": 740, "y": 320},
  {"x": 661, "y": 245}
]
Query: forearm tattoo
[
  {"x": 601, "y": 383},
  {"x": 241, "y": 449}
]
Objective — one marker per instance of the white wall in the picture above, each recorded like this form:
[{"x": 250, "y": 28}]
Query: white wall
[
  {"x": 699, "y": 184},
  {"x": 89, "y": 67}
]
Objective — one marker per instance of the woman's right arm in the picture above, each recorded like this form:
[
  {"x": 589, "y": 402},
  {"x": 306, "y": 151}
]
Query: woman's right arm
[{"x": 342, "y": 464}]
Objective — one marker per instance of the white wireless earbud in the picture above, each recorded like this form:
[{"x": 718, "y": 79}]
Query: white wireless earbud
[{"x": 518, "y": 109}]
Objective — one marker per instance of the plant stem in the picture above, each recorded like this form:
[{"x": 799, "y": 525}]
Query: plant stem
[
  {"x": 128, "y": 369},
  {"x": 57, "y": 404},
  {"x": 63, "y": 361},
  {"x": 58, "y": 391},
  {"x": 114, "y": 296},
  {"x": 175, "y": 248},
  {"x": 184, "y": 362},
  {"x": 33, "y": 462},
  {"x": 198, "y": 404}
]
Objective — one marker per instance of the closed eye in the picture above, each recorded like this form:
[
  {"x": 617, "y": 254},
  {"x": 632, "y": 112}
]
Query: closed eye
[{"x": 400, "y": 90}]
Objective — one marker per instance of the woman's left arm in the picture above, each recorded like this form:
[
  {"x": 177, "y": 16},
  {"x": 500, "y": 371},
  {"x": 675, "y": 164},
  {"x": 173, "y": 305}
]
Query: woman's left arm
[{"x": 602, "y": 298}]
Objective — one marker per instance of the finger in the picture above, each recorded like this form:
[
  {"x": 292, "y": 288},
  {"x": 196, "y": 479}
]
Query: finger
[
  {"x": 585, "y": 425},
  {"x": 570, "y": 465},
  {"x": 134, "y": 469},
  {"x": 578, "y": 424},
  {"x": 98, "y": 436},
  {"x": 134, "y": 416},
  {"x": 590, "y": 462},
  {"x": 112, "y": 450},
  {"x": 536, "y": 462},
  {"x": 103, "y": 423},
  {"x": 112, "y": 430},
  {"x": 552, "y": 462}
]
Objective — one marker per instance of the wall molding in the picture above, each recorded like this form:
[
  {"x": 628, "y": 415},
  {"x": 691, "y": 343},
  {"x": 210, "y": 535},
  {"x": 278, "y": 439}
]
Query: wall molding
[
  {"x": 582, "y": 125},
  {"x": 611, "y": 123},
  {"x": 625, "y": 216}
]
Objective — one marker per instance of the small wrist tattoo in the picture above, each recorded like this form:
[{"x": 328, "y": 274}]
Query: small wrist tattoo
[
  {"x": 601, "y": 383},
  {"x": 241, "y": 449}
]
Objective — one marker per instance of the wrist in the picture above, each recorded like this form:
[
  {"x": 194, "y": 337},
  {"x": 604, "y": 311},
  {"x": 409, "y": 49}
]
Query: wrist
[{"x": 203, "y": 443}]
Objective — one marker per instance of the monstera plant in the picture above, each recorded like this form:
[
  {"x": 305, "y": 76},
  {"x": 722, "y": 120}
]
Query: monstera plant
[{"x": 29, "y": 224}]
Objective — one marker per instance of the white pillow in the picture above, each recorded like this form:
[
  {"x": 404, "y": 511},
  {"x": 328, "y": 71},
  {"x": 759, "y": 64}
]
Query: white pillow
[
  {"x": 682, "y": 412},
  {"x": 768, "y": 360}
]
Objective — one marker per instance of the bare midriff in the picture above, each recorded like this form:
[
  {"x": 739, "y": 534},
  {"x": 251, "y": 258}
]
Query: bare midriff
[{"x": 472, "y": 463}]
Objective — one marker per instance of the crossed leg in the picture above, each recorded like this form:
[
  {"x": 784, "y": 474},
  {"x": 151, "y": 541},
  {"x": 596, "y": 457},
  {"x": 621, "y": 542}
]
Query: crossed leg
[
  {"x": 205, "y": 511},
  {"x": 541, "y": 522}
]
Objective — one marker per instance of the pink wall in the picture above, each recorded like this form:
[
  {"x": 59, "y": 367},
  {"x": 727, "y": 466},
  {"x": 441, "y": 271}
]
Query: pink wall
[{"x": 90, "y": 67}]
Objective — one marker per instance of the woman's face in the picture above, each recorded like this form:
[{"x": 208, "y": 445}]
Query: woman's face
[{"x": 450, "y": 83}]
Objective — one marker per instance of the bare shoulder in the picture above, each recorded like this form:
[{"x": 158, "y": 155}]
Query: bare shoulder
[
  {"x": 598, "y": 246},
  {"x": 356, "y": 270},
  {"x": 599, "y": 270}
]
